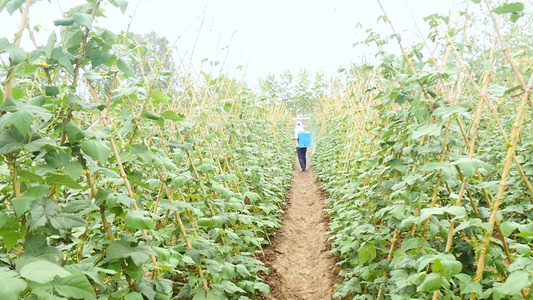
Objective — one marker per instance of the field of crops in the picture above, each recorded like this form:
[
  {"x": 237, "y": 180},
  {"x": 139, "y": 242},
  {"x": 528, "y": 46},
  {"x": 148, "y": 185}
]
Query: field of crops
[
  {"x": 122, "y": 180},
  {"x": 428, "y": 165},
  {"x": 123, "y": 177}
]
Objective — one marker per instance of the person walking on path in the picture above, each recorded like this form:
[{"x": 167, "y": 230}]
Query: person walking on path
[{"x": 301, "y": 151}]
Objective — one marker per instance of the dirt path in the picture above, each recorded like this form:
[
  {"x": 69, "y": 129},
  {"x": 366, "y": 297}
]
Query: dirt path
[{"x": 301, "y": 266}]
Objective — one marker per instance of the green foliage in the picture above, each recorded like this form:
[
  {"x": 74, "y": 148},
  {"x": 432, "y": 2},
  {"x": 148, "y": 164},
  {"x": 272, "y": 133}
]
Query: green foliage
[
  {"x": 410, "y": 204},
  {"x": 124, "y": 181},
  {"x": 300, "y": 93}
]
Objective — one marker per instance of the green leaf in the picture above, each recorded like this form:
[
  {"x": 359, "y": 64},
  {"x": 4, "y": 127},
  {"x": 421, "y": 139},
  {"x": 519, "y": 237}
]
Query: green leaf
[
  {"x": 13, "y": 5},
  {"x": 99, "y": 57},
  {"x": 124, "y": 66},
  {"x": 431, "y": 283},
  {"x": 51, "y": 91},
  {"x": 123, "y": 249},
  {"x": 134, "y": 296},
  {"x": 508, "y": 227},
  {"x": 22, "y": 204},
  {"x": 83, "y": 19},
  {"x": 262, "y": 287},
  {"x": 136, "y": 220},
  {"x": 42, "y": 210},
  {"x": 74, "y": 133},
  {"x": 509, "y": 8},
  {"x": 160, "y": 97},
  {"x": 64, "y": 221},
  {"x": 64, "y": 180},
  {"x": 171, "y": 115},
  {"x": 122, "y": 4},
  {"x": 450, "y": 268},
  {"x": 74, "y": 286},
  {"x": 430, "y": 130},
  {"x": 63, "y": 59},
  {"x": 470, "y": 165},
  {"x": 514, "y": 284},
  {"x": 50, "y": 45},
  {"x": 42, "y": 271},
  {"x": 16, "y": 53},
  {"x": 150, "y": 115},
  {"x": 10, "y": 285},
  {"x": 96, "y": 149},
  {"x": 367, "y": 253}
]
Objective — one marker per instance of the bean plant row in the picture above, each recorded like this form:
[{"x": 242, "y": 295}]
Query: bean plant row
[
  {"x": 121, "y": 179},
  {"x": 427, "y": 163}
]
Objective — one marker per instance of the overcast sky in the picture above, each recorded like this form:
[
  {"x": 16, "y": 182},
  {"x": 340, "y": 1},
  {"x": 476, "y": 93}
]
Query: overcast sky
[{"x": 250, "y": 37}]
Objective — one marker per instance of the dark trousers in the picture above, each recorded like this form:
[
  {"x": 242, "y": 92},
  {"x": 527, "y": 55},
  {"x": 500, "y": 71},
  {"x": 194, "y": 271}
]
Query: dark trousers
[{"x": 301, "y": 157}]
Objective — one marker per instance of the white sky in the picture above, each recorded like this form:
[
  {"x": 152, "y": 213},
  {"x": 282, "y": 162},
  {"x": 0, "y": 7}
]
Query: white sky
[{"x": 263, "y": 36}]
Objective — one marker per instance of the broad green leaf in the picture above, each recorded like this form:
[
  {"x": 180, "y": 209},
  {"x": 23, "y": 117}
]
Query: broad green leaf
[
  {"x": 125, "y": 66},
  {"x": 230, "y": 287},
  {"x": 123, "y": 249},
  {"x": 118, "y": 249},
  {"x": 496, "y": 90},
  {"x": 137, "y": 220},
  {"x": 430, "y": 130},
  {"x": 50, "y": 45},
  {"x": 22, "y": 120},
  {"x": 14, "y": 5},
  {"x": 56, "y": 158},
  {"x": 508, "y": 227},
  {"x": 122, "y": 4},
  {"x": 445, "y": 112},
  {"x": 160, "y": 97},
  {"x": 432, "y": 282},
  {"x": 83, "y": 19},
  {"x": 64, "y": 221},
  {"x": 11, "y": 285},
  {"x": 16, "y": 53},
  {"x": 42, "y": 271},
  {"x": 96, "y": 149},
  {"x": 134, "y": 296},
  {"x": 74, "y": 286},
  {"x": 64, "y": 59},
  {"x": 470, "y": 165},
  {"x": 73, "y": 169},
  {"x": 22, "y": 204},
  {"x": 262, "y": 287},
  {"x": 509, "y": 8},
  {"x": 514, "y": 284},
  {"x": 218, "y": 221},
  {"x": 150, "y": 115},
  {"x": 64, "y": 180},
  {"x": 74, "y": 133},
  {"x": 52, "y": 91},
  {"x": 450, "y": 268},
  {"x": 367, "y": 253},
  {"x": 99, "y": 57},
  {"x": 42, "y": 210},
  {"x": 457, "y": 211},
  {"x": 427, "y": 212}
]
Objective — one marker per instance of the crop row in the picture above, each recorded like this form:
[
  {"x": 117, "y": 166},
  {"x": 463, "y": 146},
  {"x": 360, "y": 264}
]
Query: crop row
[{"x": 124, "y": 179}]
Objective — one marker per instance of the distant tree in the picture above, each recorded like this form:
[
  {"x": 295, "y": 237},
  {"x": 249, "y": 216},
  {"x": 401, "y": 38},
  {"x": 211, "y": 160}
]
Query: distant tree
[
  {"x": 155, "y": 54},
  {"x": 299, "y": 93}
]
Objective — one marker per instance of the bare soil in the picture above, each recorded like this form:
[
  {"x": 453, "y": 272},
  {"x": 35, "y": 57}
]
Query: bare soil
[{"x": 299, "y": 259}]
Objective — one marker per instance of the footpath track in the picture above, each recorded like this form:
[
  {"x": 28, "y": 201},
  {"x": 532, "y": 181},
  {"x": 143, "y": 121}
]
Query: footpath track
[{"x": 300, "y": 263}]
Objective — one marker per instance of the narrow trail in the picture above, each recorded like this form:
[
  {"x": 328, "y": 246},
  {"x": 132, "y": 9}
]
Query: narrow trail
[{"x": 301, "y": 266}]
